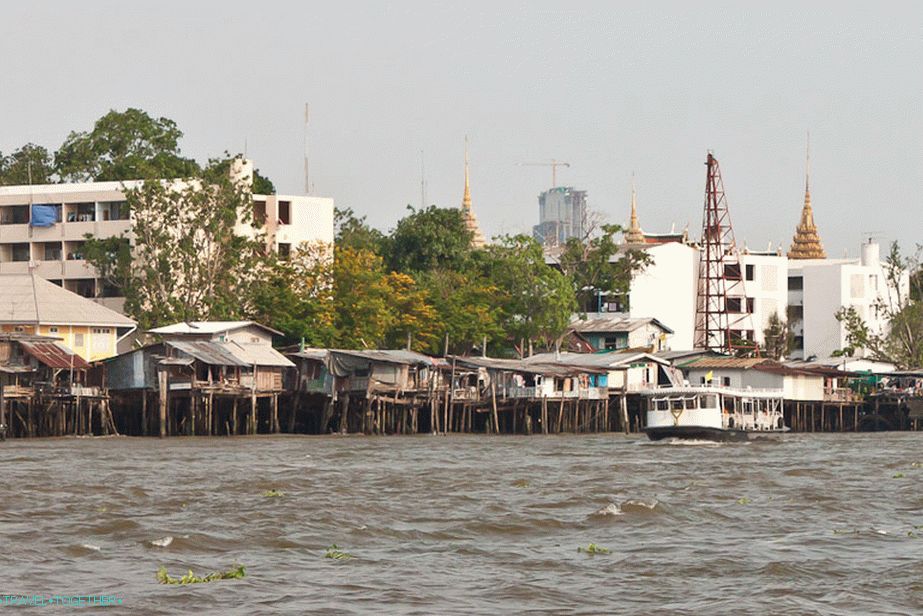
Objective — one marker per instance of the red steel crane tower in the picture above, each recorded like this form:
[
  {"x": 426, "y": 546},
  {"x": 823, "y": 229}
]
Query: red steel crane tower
[{"x": 723, "y": 321}]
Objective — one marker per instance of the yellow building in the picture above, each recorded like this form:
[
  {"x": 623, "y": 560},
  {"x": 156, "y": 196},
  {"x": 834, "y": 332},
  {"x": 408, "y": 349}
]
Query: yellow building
[{"x": 32, "y": 305}]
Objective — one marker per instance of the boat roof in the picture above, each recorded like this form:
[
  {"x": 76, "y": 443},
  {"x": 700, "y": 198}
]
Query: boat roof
[{"x": 740, "y": 392}]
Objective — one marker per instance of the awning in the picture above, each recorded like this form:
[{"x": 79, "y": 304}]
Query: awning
[{"x": 54, "y": 355}]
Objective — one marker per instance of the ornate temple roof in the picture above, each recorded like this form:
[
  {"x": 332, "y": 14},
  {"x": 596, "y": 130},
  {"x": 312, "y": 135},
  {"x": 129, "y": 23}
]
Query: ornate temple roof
[
  {"x": 634, "y": 235},
  {"x": 471, "y": 221},
  {"x": 806, "y": 243}
]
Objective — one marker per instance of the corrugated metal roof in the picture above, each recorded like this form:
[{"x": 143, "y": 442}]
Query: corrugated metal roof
[
  {"x": 605, "y": 323},
  {"x": 258, "y": 354},
  {"x": 209, "y": 327},
  {"x": 612, "y": 359},
  {"x": 727, "y": 363},
  {"x": 396, "y": 356},
  {"x": 208, "y": 352},
  {"x": 25, "y": 298},
  {"x": 54, "y": 355}
]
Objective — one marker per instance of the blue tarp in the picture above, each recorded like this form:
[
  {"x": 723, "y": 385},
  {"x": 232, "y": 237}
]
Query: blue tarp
[{"x": 44, "y": 215}]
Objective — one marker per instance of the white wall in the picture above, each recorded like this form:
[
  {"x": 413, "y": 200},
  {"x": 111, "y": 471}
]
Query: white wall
[
  {"x": 768, "y": 289},
  {"x": 666, "y": 290}
]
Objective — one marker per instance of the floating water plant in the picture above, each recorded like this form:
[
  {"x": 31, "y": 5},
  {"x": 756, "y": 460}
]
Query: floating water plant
[
  {"x": 897, "y": 476},
  {"x": 593, "y": 549},
  {"x": 334, "y": 552},
  {"x": 521, "y": 483},
  {"x": 190, "y": 578},
  {"x": 273, "y": 493},
  {"x": 743, "y": 500}
]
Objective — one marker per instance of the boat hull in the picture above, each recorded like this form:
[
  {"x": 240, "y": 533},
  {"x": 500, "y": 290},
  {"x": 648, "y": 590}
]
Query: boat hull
[{"x": 700, "y": 433}]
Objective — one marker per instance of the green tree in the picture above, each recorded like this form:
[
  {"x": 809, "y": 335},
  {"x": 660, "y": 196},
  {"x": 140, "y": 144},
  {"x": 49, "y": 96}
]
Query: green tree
[
  {"x": 902, "y": 341},
  {"x": 597, "y": 265},
  {"x": 185, "y": 262},
  {"x": 127, "y": 145},
  {"x": 777, "y": 338},
  {"x": 429, "y": 238},
  {"x": 262, "y": 185},
  {"x": 295, "y": 296},
  {"x": 354, "y": 232},
  {"x": 30, "y": 164},
  {"x": 466, "y": 308},
  {"x": 535, "y": 301}
]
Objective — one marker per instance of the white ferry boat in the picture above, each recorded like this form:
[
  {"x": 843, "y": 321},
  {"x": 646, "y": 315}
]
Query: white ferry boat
[{"x": 713, "y": 413}]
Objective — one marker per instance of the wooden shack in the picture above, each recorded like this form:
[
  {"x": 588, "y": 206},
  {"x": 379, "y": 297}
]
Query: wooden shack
[
  {"x": 44, "y": 390},
  {"x": 203, "y": 379}
]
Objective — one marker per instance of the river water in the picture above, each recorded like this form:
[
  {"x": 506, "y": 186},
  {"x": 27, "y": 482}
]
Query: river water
[{"x": 814, "y": 524}]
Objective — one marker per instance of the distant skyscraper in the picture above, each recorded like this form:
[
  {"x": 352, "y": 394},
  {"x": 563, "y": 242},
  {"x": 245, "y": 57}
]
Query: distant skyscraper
[{"x": 562, "y": 215}]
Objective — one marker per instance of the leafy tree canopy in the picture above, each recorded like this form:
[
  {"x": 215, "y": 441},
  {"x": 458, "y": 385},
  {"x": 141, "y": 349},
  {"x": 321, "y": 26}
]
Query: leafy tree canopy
[
  {"x": 429, "y": 238},
  {"x": 30, "y": 164},
  {"x": 126, "y": 145}
]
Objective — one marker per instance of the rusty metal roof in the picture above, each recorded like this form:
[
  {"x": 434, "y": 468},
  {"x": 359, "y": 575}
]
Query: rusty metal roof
[
  {"x": 725, "y": 363},
  {"x": 54, "y": 355}
]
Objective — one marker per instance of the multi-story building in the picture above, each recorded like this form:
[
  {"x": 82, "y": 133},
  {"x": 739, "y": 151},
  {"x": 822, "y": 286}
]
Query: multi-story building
[
  {"x": 562, "y": 215},
  {"x": 43, "y": 228},
  {"x": 818, "y": 288},
  {"x": 765, "y": 286}
]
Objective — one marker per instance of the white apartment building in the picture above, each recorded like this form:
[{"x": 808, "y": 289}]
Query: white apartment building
[
  {"x": 818, "y": 288},
  {"x": 765, "y": 277},
  {"x": 43, "y": 228}
]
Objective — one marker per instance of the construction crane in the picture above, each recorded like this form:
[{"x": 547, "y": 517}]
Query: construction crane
[{"x": 554, "y": 164}]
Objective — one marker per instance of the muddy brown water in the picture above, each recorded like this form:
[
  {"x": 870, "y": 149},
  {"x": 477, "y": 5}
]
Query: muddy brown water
[{"x": 814, "y": 524}]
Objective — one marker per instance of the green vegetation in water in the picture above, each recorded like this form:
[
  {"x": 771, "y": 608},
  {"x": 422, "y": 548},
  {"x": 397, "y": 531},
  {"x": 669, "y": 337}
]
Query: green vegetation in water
[
  {"x": 334, "y": 552},
  {"x": 743, "y": 500},
  {"x": 897, "y": 476},
  {"x": 190, "y": 578},
  {"x": 273, "y": 493},
  {"x": 593, "y": 549},
  {"x": 521, "y": 483}
]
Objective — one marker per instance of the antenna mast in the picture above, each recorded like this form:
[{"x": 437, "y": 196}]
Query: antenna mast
[
  {"x": 722, "y": 322},
  {"x": 307, "y": 184}
]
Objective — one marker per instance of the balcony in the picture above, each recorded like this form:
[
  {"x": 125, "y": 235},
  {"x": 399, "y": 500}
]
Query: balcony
[
  {"x": 49, "y": 269},
  {"x": 10, "y": 233},
  {"x": 14, "y": 267}
]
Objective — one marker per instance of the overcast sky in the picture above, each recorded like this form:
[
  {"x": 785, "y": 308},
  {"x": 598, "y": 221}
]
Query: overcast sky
[{"x": 612, "y": 88}]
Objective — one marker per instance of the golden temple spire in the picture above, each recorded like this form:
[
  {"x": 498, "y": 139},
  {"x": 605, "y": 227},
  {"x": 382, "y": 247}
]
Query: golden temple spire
[
  {"x": 634, "y": 235},
  {"x": 806, "y": 243},
  {"x": 466, "y": 200},
  {"x": 477, "y": 238}
]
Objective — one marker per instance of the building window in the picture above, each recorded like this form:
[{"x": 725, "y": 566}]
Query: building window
[
  {"x": 14, "y": 215},
  {"x": 795, "y": 283},
  {"x": 52, "y": 330},
  {"x": 612, "y": 343},
  {"x": 733, "y": 304},
  {"x": 732, "y": 271},
  {"x": 101, "y": 330},
  {"x": 52, "y": 251},
  {"x": 795, "y": 312},
  {"x": 750, "y": 305},
  {"x": 259, "y": 213},
  {"x": 78, "y": 340},
  {"x": 726, "y": 381},
  {"x": 798, "y": 343},
  {"x": 751, "y": 271},
  {"x": 21, "y": 252},
  {"x": 285, "y": 251},
  {"x": 285, "y": 212}
]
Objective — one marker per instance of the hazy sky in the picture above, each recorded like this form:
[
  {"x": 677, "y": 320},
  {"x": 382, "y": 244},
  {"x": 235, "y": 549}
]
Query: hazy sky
[{"x": 612, "y": 88}]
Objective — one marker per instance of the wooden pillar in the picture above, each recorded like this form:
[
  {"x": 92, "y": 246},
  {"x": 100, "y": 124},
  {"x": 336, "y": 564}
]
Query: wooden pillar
[
  {"x": 855, "y": 420},
  {"x": 162, "y": 400},
  {"x": 493, "y": 402},
  {"x": 623, "y": 411},
  {"x": 234, "y": 416},
  {"x": 275, "y": 413}
]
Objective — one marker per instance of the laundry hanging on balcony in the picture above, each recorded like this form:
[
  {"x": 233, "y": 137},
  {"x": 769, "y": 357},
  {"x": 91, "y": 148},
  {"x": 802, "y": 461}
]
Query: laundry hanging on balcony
[{"x": 45, "y": 215}]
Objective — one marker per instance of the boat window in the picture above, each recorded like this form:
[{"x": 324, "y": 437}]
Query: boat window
[
  {"x": 677, "y": 404},
  {"x": 662, "y": 404},
  {"x": 747, "y": 406},
  {"x": 708, "y": 401},
  {"x": 692, "y": 402}
]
